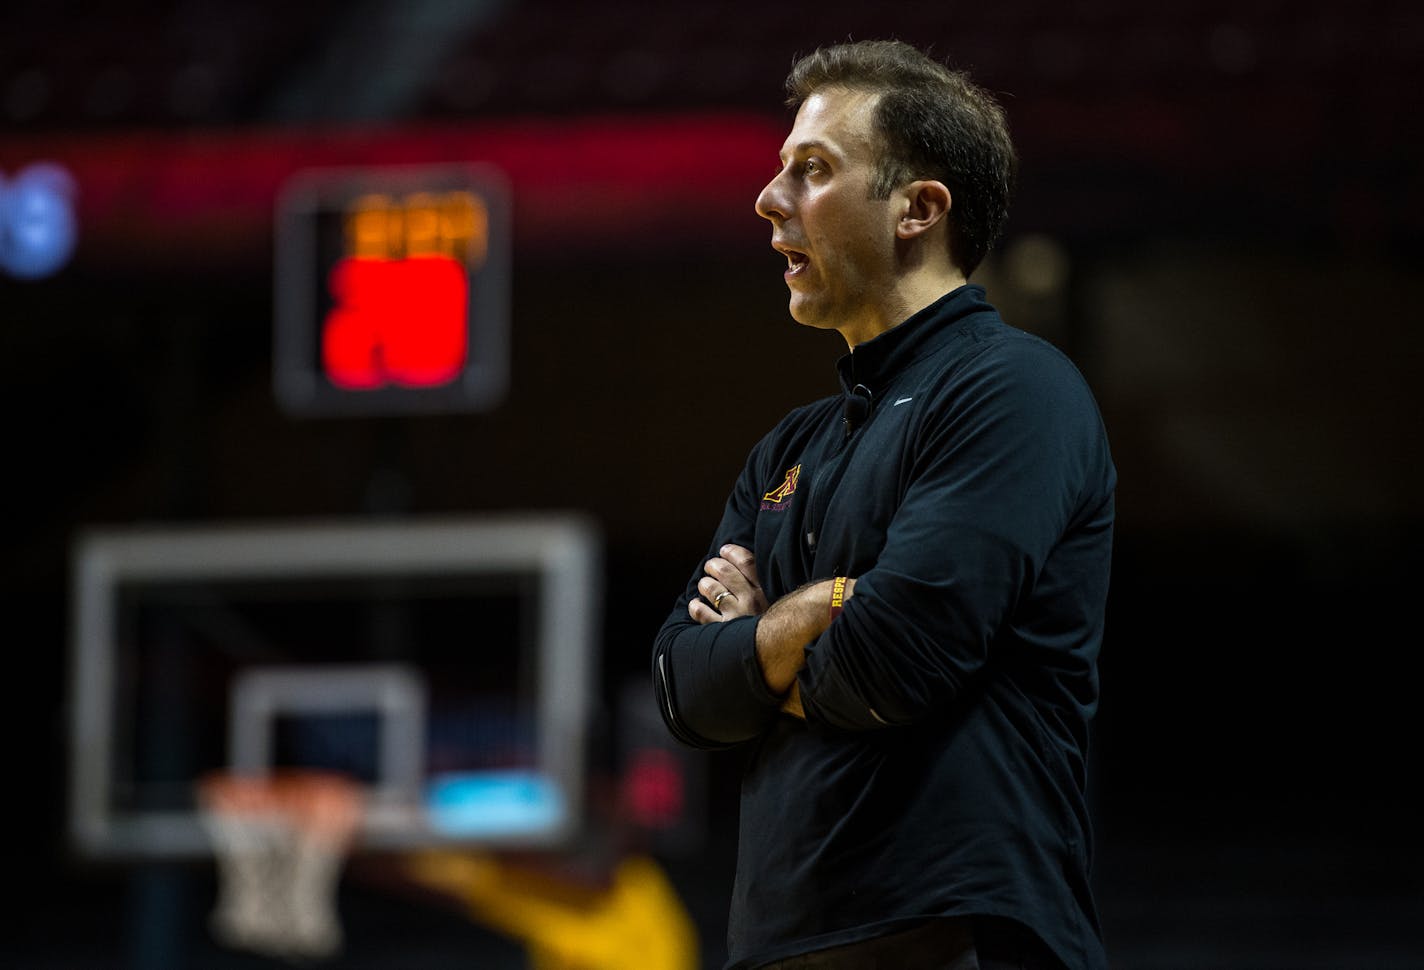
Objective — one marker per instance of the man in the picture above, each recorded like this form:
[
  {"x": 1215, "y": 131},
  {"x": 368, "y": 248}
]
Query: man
[{"x": 901, "y": 610}]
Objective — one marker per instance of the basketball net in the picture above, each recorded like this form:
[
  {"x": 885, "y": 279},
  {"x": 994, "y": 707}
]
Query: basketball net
[{"x": 280, "y": 842}]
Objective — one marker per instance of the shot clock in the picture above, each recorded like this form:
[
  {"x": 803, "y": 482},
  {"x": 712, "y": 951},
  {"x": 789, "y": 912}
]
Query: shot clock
[{"x": 392, "y": 291}]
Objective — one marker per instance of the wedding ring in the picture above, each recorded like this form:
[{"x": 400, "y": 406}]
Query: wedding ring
[{"x": 717, "y": 600}]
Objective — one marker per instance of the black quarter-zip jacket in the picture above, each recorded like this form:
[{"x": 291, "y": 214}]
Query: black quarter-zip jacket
[{"x": 963, "y": 476}]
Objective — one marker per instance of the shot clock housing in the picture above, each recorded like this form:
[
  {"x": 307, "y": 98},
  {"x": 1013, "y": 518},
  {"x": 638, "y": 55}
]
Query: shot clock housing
[{"x": 392, "y": 291}]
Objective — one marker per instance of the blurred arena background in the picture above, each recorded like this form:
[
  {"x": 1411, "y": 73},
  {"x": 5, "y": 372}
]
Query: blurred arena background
[{"x": 1221, "y": 219}]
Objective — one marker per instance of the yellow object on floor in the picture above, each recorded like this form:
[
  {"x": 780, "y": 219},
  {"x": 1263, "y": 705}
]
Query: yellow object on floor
[{"x": 636, "y": 921}]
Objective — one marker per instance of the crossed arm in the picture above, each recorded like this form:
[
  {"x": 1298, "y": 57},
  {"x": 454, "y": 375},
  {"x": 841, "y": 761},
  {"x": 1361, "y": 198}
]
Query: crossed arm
[{"x": 784, "y": 627}]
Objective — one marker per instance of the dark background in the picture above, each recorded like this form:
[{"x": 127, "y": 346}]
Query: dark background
[{"x": 1220, "y": 219}]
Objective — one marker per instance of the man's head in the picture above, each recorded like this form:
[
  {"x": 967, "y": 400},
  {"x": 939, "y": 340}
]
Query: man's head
[{"x": 931, "y": 123}]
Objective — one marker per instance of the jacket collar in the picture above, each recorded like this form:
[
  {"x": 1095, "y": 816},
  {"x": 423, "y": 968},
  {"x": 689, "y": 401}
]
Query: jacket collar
[{"x": 874, "y": 363}]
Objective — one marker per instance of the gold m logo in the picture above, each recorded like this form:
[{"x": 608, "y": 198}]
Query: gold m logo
[{"x": 783, "y": 491}]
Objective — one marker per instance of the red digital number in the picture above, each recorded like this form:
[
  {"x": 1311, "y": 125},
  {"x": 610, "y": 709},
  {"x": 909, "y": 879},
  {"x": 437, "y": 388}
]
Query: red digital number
[{"x": 396, "y": 321}]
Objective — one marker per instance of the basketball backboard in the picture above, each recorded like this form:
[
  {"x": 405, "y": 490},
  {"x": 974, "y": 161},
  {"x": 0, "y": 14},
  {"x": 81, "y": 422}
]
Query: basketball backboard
[{"x": 446, "y": 664}]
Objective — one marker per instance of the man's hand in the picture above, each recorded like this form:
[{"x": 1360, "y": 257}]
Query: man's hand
[
  {"x": 730, "y": 588},
  {"x": 792, "y": 704}
]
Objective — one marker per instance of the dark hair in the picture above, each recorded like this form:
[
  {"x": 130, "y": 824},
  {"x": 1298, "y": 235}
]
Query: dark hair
[{"x": 934, "y": 123}]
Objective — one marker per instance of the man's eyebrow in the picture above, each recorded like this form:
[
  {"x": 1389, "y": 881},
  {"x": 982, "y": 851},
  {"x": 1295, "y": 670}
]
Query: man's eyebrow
[{"x": 814, "y": 145}]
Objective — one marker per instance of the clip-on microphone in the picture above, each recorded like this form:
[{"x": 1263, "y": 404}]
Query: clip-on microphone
[{"x": 857, "y": 407}]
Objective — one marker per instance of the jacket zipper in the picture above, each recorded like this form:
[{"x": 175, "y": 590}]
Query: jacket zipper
[{"x": 827, "y": 477}]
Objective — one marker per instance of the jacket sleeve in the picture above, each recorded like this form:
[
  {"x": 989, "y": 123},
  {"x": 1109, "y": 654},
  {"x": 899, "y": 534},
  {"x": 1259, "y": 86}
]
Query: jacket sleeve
[
  {"x": 1008, "y": 458},
  {"x": 706, "y": 678}
]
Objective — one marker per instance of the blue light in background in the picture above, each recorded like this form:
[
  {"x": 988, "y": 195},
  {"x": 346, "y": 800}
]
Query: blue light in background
[
  {"x": 494, "y": 803},
  {"x": 38, "y": 230}
]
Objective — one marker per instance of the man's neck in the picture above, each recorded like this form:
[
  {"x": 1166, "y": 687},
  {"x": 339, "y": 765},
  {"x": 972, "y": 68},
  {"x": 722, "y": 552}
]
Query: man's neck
[{"x": 911, "y": 296}]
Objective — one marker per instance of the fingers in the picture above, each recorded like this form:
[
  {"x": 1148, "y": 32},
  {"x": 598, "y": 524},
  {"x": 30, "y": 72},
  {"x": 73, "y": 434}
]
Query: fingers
[
  {"x": 737, "y": 574},
  {"x": 744, "y": 599},
  {"x": 703, "y": 614},
  {"x": 742, "y": 560},
  {"x": 716, "y": 592},
  {"x": 729, "y": 589}
]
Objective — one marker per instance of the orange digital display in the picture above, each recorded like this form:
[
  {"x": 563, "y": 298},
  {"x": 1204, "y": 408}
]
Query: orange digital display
[{"x": 452, "y": 224}]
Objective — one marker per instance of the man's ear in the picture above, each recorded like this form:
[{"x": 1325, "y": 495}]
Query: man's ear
[{"x": 927, "y": 202}]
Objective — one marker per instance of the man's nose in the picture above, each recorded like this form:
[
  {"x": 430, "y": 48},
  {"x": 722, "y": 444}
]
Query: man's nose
[{"x": 771, "y": 203}]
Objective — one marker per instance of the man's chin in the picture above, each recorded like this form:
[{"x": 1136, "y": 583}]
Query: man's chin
[{"x": 808, "y": 316}]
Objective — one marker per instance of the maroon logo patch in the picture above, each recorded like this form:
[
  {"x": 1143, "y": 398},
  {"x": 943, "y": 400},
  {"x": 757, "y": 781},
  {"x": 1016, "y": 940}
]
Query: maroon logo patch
[{"x": 780, "y": 497}]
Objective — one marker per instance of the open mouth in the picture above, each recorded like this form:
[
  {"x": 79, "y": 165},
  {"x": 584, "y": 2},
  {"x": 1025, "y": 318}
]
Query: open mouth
[{"x": 796, "y": 262}]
